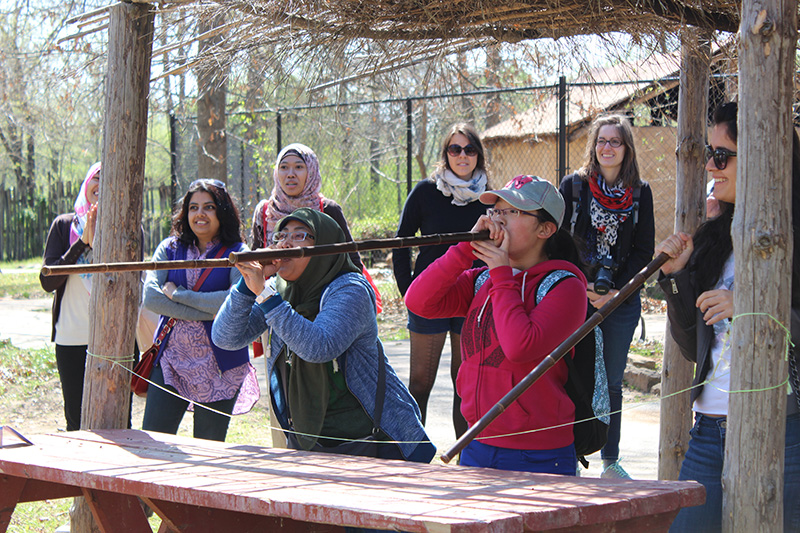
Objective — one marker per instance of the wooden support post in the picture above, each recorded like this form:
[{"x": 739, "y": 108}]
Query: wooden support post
[
  {"x": 677, "y": 372},
  {"x": 762, "y": 243},
  {"x": 115, "y": 298},
  {"x": 212, "y": 149}
]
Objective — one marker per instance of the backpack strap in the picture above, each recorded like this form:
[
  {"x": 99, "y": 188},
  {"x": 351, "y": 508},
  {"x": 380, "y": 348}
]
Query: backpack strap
[
  {"x": 480, "y": 279},
  {"x": 549, "y": 281},
  {"x": 637, "y": 193},
  {"x": 599, "y": 400},
  {"x": 576, "y": 202}
]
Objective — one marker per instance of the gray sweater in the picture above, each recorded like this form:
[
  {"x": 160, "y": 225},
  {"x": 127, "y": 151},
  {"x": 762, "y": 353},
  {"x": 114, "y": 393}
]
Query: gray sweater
[{"x": 345, "y": 330}]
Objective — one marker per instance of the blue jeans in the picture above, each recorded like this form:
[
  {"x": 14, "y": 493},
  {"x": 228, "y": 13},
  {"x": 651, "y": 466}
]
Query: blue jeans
[
  {"x": 163, "y": 412},
  {"x": 558, "y": 461},
  {"x": 703, "y": 463},
  {"x": 618, "y": 331}
]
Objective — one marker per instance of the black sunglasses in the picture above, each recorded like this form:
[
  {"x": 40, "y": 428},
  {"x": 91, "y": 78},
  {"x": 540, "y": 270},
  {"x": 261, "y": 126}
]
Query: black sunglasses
[
  {"x": 720, "y": 156},
  {"x": 456, "y": 149}
]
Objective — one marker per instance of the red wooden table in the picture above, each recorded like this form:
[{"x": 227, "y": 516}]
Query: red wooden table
[{"x": 198, "y": 486}]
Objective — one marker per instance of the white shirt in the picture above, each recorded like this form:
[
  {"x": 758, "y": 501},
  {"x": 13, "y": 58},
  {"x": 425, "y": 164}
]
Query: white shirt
[{"x": 713, "y": 400}]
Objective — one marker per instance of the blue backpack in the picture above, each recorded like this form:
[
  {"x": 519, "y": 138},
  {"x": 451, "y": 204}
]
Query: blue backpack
[{"x": 587, "y": 382}]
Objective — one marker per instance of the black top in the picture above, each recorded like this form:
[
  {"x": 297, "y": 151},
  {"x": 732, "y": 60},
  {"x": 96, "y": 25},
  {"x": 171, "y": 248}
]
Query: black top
[{"x": 429, "y": 211}]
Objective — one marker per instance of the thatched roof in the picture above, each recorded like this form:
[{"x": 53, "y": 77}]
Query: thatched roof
[
  {"x": 586, "y": 101},
  {"x": 370, "y": 36}
]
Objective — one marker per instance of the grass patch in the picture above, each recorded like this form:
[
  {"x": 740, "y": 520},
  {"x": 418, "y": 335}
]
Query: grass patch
[
  {"x": 651, "y": 349},
  {"x": 23, "y": 367},
  {"x": 20, "y": 279}
]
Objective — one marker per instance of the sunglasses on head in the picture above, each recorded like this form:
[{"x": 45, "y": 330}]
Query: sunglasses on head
[
  {"x": 216, "y": 183},
  {"x": 720, "y": 156},
  {"x": 456, "y": 149}
]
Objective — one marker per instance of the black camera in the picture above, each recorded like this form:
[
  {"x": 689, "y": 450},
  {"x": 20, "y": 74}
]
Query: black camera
[{"x": 603, "y": 281}]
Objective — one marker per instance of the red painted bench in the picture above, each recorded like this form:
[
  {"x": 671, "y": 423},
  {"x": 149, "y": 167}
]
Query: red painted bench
[{"x": 196, "y": 485}]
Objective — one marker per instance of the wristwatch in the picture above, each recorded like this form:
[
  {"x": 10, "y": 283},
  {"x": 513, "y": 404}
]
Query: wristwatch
[{"x": 268, "y": 292}]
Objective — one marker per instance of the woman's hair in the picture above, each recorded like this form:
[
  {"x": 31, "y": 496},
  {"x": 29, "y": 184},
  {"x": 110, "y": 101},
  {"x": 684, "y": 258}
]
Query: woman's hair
[
  {"x": 629, "y": 173},
  {"x": 712, "y": 240},
  {"x": 561, "y": 245},
  {"x": 230, "y": 225},
  {"x": 468, "y": 131}
]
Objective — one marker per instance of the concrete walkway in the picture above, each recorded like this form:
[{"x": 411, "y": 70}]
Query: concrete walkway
[{"x": 27, "y": 324}]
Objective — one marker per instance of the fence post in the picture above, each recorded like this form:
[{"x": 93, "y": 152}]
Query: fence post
[
  {"x": 278, "y": 132},
  {"x": 3, "y": 231},
  {"x": 562, "y": 128},
  {"x": 173, "y": 158},
  {"x": 409, "y": 142}
]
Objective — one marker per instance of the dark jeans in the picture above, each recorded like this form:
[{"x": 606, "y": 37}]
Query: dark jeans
[
  {"x": 618, "y": 331},
  {"x": 163, "y": 412},
  {"x": 71, "y": 363},
  {"x": 704, "y": 461}
]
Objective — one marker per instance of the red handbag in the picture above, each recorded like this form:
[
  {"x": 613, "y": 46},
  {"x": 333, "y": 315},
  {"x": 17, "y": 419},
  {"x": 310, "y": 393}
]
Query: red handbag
[{"x": 141, "y": 372}]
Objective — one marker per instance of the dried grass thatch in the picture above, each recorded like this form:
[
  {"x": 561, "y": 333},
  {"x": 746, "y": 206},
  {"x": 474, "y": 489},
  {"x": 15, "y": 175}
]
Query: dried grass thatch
[{"x": 347, "y": 39}]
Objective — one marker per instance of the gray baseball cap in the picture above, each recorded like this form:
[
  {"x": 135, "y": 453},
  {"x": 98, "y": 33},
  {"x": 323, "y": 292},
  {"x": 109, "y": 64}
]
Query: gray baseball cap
[{"x": 529, "y": 193}]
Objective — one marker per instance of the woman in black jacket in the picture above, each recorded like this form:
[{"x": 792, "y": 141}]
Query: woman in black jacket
[
  {"x": 69, "y": 242},
  {"x": 609, "y": 211},
  {"x": 698, "y": 283}
]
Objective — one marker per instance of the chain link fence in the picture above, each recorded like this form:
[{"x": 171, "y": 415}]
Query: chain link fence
[{"x": 371, "y": 153}]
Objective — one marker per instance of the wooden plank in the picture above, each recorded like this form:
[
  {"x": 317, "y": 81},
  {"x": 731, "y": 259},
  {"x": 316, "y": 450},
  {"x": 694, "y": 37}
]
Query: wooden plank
[
  {"x": 195, "y": 519},
  {"x": 331, "y": 489},
  {"x": 36, "y": 491},
  {"x": 117, "y": 512},
  {"x": 10, "y": 489}
]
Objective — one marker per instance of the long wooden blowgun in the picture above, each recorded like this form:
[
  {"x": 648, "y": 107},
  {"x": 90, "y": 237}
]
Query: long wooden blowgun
[
  {"x": 555, "y": 356},
  {"x": 269, "y": 254}
]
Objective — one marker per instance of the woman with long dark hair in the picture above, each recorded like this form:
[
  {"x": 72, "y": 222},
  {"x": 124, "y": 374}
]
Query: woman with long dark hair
[
  {"x": 609, "y": 211},
  {"x": 508, "y": 329},
  {"x": 698, "y": 283},
  {"x": 446, "y": 202},
  {"x": 189, "y": 365}
]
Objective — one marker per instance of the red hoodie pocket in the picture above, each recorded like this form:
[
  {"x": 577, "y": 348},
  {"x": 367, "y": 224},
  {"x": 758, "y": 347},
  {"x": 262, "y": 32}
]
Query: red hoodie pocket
[{"x": 480, "y": 388}]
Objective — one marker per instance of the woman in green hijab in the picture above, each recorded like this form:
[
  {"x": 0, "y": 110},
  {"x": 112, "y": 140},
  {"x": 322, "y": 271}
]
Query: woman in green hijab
[{"x": 330, "y": 381}]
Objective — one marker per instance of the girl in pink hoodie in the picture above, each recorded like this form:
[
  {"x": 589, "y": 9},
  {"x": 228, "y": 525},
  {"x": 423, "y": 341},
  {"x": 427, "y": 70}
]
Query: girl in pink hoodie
[{"x": 506, "y": 333}]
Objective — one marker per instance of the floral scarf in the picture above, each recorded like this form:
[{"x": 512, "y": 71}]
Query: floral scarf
[{"x": 610, "y": 207}]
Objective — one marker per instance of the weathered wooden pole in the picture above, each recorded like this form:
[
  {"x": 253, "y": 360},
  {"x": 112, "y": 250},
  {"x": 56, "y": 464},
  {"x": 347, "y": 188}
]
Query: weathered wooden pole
[
  {"x": 114, "y": 302},
  {"x": 762, "y": 243},
  {"x": 677, "y": 372},
  {"x": 212, "y": 148}
]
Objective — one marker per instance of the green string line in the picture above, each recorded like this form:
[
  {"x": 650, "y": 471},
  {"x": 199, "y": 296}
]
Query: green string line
[
  {"x": 629, "y": 407},
  {"x": 113, "y": 359}
]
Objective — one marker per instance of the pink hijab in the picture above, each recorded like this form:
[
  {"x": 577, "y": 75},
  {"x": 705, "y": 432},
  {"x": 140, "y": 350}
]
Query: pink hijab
[
  {"x": 82, "y": 205},
  {"x": 279, "y": 203}
]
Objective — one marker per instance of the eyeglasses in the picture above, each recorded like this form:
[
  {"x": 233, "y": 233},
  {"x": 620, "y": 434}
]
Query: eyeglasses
[
  {"x": 615, "y": 143},
  {"x": 720, "y": 156},
  {"x": 456, "y": 149},
  {"x": 492, "y": 212},
  {"x": 293, "y": 236},
  {"x": 207, "y": 181}
]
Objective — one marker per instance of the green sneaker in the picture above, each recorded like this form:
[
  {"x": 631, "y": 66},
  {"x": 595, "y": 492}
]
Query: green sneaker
[{"x": 615, "y": 471}]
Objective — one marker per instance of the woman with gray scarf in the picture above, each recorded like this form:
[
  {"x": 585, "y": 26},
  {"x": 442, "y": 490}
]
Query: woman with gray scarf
[{"x": 446, "y": 202}]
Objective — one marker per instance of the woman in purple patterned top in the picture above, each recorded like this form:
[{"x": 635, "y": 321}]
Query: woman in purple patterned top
[{"x": 189, "y": 366}]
